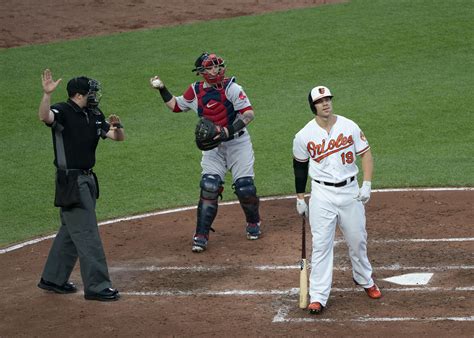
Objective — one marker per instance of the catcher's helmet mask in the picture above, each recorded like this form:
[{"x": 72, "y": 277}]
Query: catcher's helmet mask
[
  {"x": 207, "y": 61},
  {"x": 86, "y": 86},
  {"x": 95, "y": 94},
  {"x": 316, "y": 94}
]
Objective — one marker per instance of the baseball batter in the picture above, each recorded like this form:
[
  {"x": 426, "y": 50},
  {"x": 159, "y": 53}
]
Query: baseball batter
[
  {"x": 221, "y": 100},
  {"x": 328, "y": 146}
]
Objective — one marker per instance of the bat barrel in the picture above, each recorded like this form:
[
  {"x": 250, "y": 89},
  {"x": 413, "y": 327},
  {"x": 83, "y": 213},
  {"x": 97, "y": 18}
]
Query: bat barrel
[{"x": 303, "y": 301}]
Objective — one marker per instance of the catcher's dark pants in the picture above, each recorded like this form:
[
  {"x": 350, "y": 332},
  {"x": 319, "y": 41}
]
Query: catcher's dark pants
[{"x": 79, "y": 236}]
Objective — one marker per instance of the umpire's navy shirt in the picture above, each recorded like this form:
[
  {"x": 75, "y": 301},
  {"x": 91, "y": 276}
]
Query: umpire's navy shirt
[{"x": 82, "y": 129}]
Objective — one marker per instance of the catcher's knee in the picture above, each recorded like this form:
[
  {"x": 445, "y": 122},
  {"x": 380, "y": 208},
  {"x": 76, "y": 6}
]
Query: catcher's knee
[
  {"x": 211, "y": 187},
  {"x": 245, "y": 189},
  {"x": 247, "y": 194}
]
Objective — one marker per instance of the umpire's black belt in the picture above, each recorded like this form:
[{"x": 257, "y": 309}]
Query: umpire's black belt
[
  {"x": 337, "y": 185},
  {"x": 79, "y": 171}
]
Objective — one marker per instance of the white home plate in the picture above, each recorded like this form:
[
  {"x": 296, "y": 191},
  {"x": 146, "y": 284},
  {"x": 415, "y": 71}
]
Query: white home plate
[{"x": 411, "y": 279}]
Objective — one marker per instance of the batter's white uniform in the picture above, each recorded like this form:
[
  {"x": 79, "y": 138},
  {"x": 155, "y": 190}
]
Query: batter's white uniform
[
  {"x": 235, "y": 155},
  {"x": 332, "y": 159}
]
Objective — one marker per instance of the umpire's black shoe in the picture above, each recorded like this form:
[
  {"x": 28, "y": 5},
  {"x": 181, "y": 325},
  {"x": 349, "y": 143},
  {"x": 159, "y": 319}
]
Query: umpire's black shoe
[
  {"x": 67, "y": 287},
  {"x": 105, "y": 295}
]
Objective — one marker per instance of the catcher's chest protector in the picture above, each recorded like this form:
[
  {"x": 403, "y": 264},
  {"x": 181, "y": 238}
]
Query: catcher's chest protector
[{"x": 213, "y": 104}]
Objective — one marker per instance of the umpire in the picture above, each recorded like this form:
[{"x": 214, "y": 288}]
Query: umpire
[{"x": 76, "y": 126}]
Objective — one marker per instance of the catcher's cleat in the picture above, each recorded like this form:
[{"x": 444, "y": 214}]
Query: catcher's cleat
[
  {"x": 315, "y": 308},
  {"x": 253, "y": 231},
  {"x": 67, "y": 287},
  {"x": 199, "y": 242},
  {"x": 373, "y": 292}
]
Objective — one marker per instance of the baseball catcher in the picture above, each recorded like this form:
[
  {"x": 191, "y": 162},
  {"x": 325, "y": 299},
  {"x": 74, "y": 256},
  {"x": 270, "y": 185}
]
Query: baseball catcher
[{"x": 224, "y": 111}]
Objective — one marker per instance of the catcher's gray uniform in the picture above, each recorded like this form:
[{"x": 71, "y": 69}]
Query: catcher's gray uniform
[{"x": 235, "y": 155}]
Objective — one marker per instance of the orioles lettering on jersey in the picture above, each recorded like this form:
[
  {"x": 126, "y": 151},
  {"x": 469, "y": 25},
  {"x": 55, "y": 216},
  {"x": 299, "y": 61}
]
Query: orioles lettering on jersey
[{"x": 320, "y": 151}]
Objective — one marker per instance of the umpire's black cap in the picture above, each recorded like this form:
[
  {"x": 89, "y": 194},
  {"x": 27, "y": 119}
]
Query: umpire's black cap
[{"x": 78, "y": 85}]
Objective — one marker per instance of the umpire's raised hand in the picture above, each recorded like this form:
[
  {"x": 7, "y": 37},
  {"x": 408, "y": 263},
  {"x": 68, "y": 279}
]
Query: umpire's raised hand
[{"x": 49, "y": 85}]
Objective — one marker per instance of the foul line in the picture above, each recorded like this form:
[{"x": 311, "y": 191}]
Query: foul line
[
  {"x": 282, "y": 317},
  {"x": 169, "y": 211}
]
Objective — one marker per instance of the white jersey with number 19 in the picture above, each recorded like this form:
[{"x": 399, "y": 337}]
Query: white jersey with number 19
[{"x": 332, "y": 155}]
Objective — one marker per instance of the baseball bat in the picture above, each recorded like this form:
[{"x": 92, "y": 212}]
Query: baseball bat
[{"x": 304, "y": 269}]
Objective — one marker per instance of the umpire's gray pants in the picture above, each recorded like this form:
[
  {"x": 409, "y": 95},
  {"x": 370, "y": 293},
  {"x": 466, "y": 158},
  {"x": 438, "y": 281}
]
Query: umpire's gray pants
[{"x": 79, "y": 236}]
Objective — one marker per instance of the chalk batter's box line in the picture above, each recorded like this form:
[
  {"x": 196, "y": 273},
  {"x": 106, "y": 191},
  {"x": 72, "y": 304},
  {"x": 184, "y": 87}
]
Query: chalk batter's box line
[
  {"x": 212, "y": 268},
  {"x": 287, "y": 292},
  {"x": 282, "y": 316}
]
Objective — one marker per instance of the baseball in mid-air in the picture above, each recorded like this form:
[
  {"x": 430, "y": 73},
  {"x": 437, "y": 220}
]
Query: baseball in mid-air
[{"x": 157, "y": 83}]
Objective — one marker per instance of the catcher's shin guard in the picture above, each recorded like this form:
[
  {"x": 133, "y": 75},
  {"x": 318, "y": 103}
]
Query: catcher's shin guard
[
  {"x": 247, "y": 193},
  {"x": 211, "y": 188}
]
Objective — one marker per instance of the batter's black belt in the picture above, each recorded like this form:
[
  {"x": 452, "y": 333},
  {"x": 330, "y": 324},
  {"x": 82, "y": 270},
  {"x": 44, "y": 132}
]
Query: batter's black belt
[{"x": 337, "y": 185}]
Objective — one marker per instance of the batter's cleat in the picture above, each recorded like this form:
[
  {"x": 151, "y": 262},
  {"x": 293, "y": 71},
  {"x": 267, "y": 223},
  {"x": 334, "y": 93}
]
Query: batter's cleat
[
  {"x": 315, "y": 308},
  {"x": 67, "y": 287},
  {"x": 253, "y": 231},
  {"x": 373, "y": 292},
  {"x": 199, "y": 242}
]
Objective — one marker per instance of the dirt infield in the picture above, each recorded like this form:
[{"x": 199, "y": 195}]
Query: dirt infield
[
  {"x": 25, "y": 22},
  {"x": 237, "y": 287},
  {"x": 240, "y": 287}
]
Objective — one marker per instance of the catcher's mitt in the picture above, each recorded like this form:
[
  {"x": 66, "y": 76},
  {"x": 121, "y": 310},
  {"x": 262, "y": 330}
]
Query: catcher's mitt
[{"x": 208, "y": 135}]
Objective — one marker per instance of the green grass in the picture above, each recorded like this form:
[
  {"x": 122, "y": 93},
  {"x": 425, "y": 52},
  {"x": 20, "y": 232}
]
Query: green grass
[{"x": 401, "y": 69}]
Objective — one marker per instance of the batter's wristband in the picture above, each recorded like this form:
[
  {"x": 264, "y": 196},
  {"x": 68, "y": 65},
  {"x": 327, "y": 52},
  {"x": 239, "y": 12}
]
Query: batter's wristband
[
  {"x": 165, "y": 94},
  {"x": 237, "y": 126}
]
